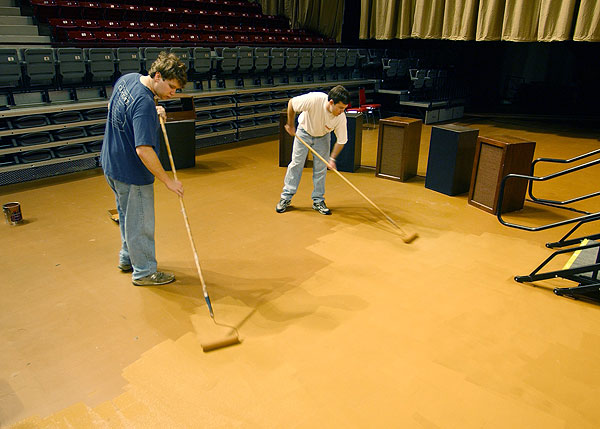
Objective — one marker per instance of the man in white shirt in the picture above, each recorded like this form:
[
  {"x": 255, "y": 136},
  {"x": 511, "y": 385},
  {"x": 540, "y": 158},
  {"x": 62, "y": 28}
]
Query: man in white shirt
[{"x": 320, "y": 114}]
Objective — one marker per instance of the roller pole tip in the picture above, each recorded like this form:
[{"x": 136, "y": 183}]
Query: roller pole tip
[{"x": 410, "y": 237}]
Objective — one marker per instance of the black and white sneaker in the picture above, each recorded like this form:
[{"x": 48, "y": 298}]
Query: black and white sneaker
[
  {"x": 282, "y": 205},
  {"x": 321, "y": 207}
]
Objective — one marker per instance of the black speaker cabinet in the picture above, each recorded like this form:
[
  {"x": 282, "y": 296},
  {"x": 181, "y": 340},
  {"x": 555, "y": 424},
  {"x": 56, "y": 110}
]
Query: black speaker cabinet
[
  {"x": 450, "y": 161},
  {"x": 349, "y": 158},
  {"x": 181, "y": 130},
  {"x": 398, "y": 148},
  {"x": 286, "y": 142},
  {"x": 495, "y": 157}
]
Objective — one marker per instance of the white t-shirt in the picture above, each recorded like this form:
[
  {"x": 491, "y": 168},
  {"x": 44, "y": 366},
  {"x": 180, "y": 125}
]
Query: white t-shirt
[{"x": 316, "y": 119}]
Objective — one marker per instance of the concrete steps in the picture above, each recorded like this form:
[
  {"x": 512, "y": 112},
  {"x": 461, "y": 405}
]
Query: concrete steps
[
  {"x": 17, "y": 30},
  {"x": 9, "y": 11},
  {"x": 16, "y": 20},
  {"x": 18, "y": 41}
]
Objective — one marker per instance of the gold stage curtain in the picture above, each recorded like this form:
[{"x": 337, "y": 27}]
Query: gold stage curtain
[
  {"x": 323, "y": 16},
  {"x": 460, "y": 19},
  {"x": 481, "y": 20},
  {"x": 489, "y": 20},
  {"x": 386, "y": 19},
  {"x": 587, "y": 27},
  {"x": 556, "y": 20},
  {"x": 428, "y": 19},
  {"x": 521, "y": 19}
]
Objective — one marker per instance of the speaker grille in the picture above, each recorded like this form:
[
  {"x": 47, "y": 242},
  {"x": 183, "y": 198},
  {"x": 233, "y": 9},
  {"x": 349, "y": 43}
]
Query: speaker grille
[
  {"x": 488, "y": 170},
  {"x": 392, "y": 142}
]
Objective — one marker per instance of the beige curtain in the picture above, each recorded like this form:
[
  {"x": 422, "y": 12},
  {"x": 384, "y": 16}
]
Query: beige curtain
[
  {"x": 587, "y": 27},
  {"x": 556, "y": 20},
  {"x": 460, "y": 19},
  {"x": 428, "y": 19},
  {"x": 386, "y": 19},
  {"x": 364, "y": 30},
  {"x": 323, "y": 16},
  {"x": 521, "y": 19},
  {"x": 273, "y": 7},
  {"x": 489, "y": 20},
  {"x": 406, "y": 19},
  {"x": 482, "y": 20}
]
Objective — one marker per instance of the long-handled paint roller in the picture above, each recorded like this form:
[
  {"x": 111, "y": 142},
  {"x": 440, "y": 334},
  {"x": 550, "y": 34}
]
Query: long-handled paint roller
[
  {"x": 234, "y": 337},
  {"x": 406, "y": 237}
]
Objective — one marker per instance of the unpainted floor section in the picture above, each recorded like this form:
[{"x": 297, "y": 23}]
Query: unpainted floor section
[{"x": 343, "y": 324}]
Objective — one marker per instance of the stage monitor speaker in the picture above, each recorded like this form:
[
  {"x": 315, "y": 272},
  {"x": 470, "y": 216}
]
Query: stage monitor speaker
[
  {"x": 398, "y": 148},
  {"x": 450, "y": 161},
  {"x": 181, "y": 130},
  {"x": 495, "y": 157},
  {"x": 286, "y": 142},
  {"x": 348, "y": 159}
]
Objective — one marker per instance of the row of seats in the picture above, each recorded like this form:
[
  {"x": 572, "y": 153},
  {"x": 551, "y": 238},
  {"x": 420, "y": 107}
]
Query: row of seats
[
  {"x": 91, "y": 24},
  {"x": 45, "y": 10},
  {"x": 65, "y": 67},
  {"x": 114, "y": 38}
]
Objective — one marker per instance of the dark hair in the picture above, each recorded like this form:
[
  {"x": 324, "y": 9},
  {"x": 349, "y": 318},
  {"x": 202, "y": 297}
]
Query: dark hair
[
  {"x": 339, "y": 94},
  {"x": 170, "y": 67}
]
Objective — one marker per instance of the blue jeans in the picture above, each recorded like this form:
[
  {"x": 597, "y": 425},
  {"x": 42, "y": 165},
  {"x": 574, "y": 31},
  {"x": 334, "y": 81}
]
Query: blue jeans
[
  {"x": 294, "y": 171},
  {"x": 135, "y": 205}
]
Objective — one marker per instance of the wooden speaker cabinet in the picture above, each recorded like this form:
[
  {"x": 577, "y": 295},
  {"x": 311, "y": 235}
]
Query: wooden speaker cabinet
[
  {"x": 450, "y": 161},
  {"x": 398, "y": 148},
  {"x": 495, "y": 157}
]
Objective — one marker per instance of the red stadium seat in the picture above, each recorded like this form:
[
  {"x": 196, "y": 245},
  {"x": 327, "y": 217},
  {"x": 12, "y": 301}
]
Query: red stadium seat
[
  {"x": 130, "y": 36},
  {"x": 91, "y": 10},
  {"x": 108, "y": 36},
  {"x": 111, "y": 25},
  {"x": 211, "y": 38},
  {"x": 133, "y": 12},
  {"x": 171, "y": 27},
  {"x": 133, "y": 26},
  {"x": 113, "y": 11},
  {"x": 88, "y": 24},
  {"x": 45, "y": 9},
  {"x": 82, "y": 36},
  {"x": 69, "y": 9},
  {"x": 152, "y": 37},
  {"x": 205, "y": 27},
  {"x": 191, "y": 38},
  {"x": 60, "y": 27},
  {"x": 64, "y": 23},
  {"x": 172, "y": 37},
  {"x": 189, "y": 27},
  {"x": 152, "y": 26}
]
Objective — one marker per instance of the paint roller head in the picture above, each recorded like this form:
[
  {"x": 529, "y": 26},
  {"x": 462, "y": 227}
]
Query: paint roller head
[
  {"x": 219, "y": 344},
  {"x": 410, "y": 237}
]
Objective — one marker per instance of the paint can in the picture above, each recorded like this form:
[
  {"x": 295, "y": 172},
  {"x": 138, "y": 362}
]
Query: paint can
[{"x": 12, "y": 212}]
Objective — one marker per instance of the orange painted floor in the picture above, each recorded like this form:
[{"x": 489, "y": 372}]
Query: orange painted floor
[{"x": 343, "y": 324}]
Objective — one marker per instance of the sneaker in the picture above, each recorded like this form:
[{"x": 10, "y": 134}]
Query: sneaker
[
  {"x": 125, "y": 267},
  {"x": 321, "y": 207},
  {"x": 158, "y": 278},
  {"x": 282, "y": 205}
]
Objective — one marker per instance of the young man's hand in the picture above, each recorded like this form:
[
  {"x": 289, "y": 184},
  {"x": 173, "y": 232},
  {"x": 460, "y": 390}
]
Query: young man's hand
[
  {"x": 161, "y": 112},
  {"x": 290, "y": 130},
  {"x": 332, "y": 165}
]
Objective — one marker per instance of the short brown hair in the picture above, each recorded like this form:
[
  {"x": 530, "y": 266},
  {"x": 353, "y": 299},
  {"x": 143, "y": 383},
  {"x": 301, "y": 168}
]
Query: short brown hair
[
  {"x": 339, "y": 94},
  {"x": 170, "y": 67}
]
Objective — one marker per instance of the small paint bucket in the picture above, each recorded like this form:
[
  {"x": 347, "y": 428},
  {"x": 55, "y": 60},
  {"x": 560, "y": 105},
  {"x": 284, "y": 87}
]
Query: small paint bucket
[{"x": 12, "y": 212}]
